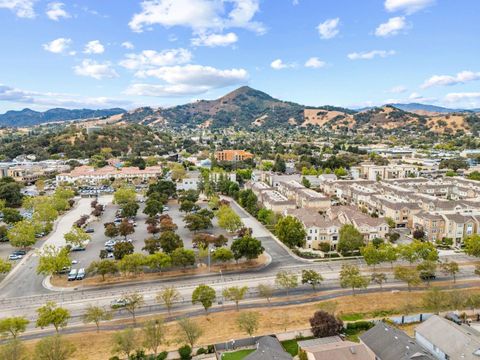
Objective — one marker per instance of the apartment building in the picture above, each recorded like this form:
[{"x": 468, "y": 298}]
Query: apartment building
[
  {"x": 319, "y": 228},
  {"x": 90, "y": 175},
  {"x": 374, "y": 172},
  {"x": 233, "y": 155}
]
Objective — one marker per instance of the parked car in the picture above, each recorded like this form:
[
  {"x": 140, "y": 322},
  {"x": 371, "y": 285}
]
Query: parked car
[
  {"x": 110, "y": 255},
  {"x": 81, "y": 274},
  {"x": 89, "y": 230},
  {"x": 110, "y": 243},
  {"x": 65, "y": 270},
  {"x": 14, "y": 257},
  {"x": 78, "y": 248},
  {"x": 72, "y": 275},
  {"x": 19, "y": 252}
]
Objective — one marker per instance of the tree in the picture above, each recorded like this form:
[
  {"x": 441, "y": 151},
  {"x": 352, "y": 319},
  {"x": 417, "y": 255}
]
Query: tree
[
  {"x": 96, "y": 314},
  {"x": 286, "y": 280},
  {"x": 450, "y": 268},
  {"x": 350, "y": 277},
  {"x": 247, "y": 247},
  {"x": 124, "y": 342},
  {"x": 132, "y": 263},
  {"x": 169, "y": 241},
  {"x": 266, "y": 216},
  {"x": 312, "y": 278},
  {"x": 418, "y": 234},
  {"x": 434, "y": 300},
  {"x": 265, "y": 291},
  {"x": 324, "y": 324},
  {"x": 222, "y": 255},
  {"x": 472, "y": 245},
  {"x": 153, "y": 207},
  {"x": 279, "y": 166},
  {"x": 427, "y": 270},
  {"x": 183, "y": 257},
  {"x": 372, "y": 255},
  {"x": 205, "y": 295},
  {"x": 167, "y": 224},
  {"x": 5, "y": 266},
  {"x": 103, "y": 267},
  {"x": 196, "y": 222},
  {"x": 10, "y": 191},
  {"x": 228, "y": 219},
  {"x": 45, "y": 212},
  {"x": 408, "y": 275},
  {"x": 188, "y": 206},
  {"x": 51, "y": 314},
  {"x": 13, "y": 326},
  {"x": 473, "y": 301},
  {"x": 235, "y": 293},
  {"x": 124, "y": 195},
  {"x": 389, "y": 253},
  {"x": 12, "y": 350},
  {"x": 133, "y": 302},
  {"x": 290, "y": 231},
  {"x": 125, "y": 228},
  {"x": 54, "y": 348},
  {"x": 22, "y": 234},
  {"x": 153, "y": 334},
  {"x": 152, "y": 245},
  {"x": 248, "y": 321},
  {"x": 76, "y": 237},
  {"x": 11, "y": 216},
  {"x": 424, "y": 250},
  {"x": 120, "y": 249},
  {"x": 168, "y": 296},
  {"x": 178, "y": 172},
  {"x": 249, "y": 201},
  {"x": 53, "y": 260},
  {"x": 129, "y": 209},
  {"x": 379, "y": 278},
  {"x": 158, "y": 261},
  {"x": 350, "y": 239},
  {"x": 190, "y": 331},
  {"x": 111, "y": 230}
]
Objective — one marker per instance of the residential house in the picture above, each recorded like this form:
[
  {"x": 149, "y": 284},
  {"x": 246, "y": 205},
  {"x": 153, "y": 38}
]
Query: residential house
[
  {"x": 269, "y": 348},
  {"x": 390, "y": 343},
  {"x": 233, "y": 155},
  {"x": 447, "y": 340},
  {"x": 334, "y": 348}
]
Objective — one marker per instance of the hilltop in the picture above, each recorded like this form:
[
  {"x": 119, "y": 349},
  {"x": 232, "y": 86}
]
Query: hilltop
[{"x": 28, "y": 117}]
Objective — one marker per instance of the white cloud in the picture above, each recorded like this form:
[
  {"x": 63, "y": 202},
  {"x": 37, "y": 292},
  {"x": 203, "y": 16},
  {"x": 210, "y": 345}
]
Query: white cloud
[
  {"x": 329, "y": 28},
  {"x": 315, "y": 62},
  {"x": 466, "y": 99},
  {"x": 278, "y": 64},
  {"x": 447, "y": 80},
  {"x": 398, "y": 89},
  {"x": 21, "y": 8},
  {"x": 148, "y": 59},
  {"x": 213, "y": 40},
  {"x": 200, "y": 15},
  {"x": 96, "y": 70},
  {"x": 55, "y": 11},
  {"x": 370, "y": 54},
  {"x": 49, "y": 99},
  {"x": 128, "y": 45},
  {"x": 408, "y": 6},
  {"x": 58, "y": 46},
  {"x": 392, "y": 27},
  {"x": 187, "y": 80},
  {"x": 94, "y": 47}
]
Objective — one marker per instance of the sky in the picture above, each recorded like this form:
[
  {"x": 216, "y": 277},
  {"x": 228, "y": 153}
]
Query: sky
[{"x": 130, "y": 53}]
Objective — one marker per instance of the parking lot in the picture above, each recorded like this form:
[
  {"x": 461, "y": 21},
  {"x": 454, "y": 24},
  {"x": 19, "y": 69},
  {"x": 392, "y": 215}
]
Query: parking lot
[{"x": 98, "y": 239}]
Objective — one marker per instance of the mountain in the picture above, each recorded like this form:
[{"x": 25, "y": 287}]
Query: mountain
[
  {"x": 244, "y": 107},
  {"x": 28, "y": 117},
  {"x": 416, "y": 107}
]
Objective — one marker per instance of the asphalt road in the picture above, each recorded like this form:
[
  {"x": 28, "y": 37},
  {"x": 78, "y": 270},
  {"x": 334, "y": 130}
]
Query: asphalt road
[{"x": 23, "y": 292}]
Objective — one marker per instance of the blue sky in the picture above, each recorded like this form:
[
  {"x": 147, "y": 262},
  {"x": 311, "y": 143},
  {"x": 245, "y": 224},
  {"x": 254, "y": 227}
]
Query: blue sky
[{"x": 351, "y": 53}]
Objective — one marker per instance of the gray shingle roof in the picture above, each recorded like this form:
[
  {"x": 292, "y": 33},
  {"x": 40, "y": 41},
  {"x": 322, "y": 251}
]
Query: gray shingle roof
[
  {"x": 269, "y": 348},
  {"x": 389, "y": 343}
]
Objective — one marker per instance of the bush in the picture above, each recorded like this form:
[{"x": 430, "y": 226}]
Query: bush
[
  {"x": 211, "y": 349},
  {"x": 185, "y": 352},
  {"x": 355, "y": 327},
  {"x": 162, "y": 356},
  {"x": 202, "y": 351},
  {"x": 324, "y": 324}
]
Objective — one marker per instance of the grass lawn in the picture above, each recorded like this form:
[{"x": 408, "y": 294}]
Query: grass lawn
[
  {"x": 237, "y": 355},
  {"x": 291, "y": 346},
  {"x": 352, "y": 317}
]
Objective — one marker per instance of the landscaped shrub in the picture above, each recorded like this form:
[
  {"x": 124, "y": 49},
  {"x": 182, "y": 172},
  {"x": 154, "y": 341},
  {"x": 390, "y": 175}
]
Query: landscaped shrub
[
  {"x": 185, "y": 352},
  {"x": 355, "y": 327}
]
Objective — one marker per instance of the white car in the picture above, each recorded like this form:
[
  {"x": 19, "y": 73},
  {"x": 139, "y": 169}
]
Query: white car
[
  {"x": 110, "y": 243},
  {"x": 74, "y": 262},
  {"x": 15, "y": 257},
  {"x": 110, "y": 255}
]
